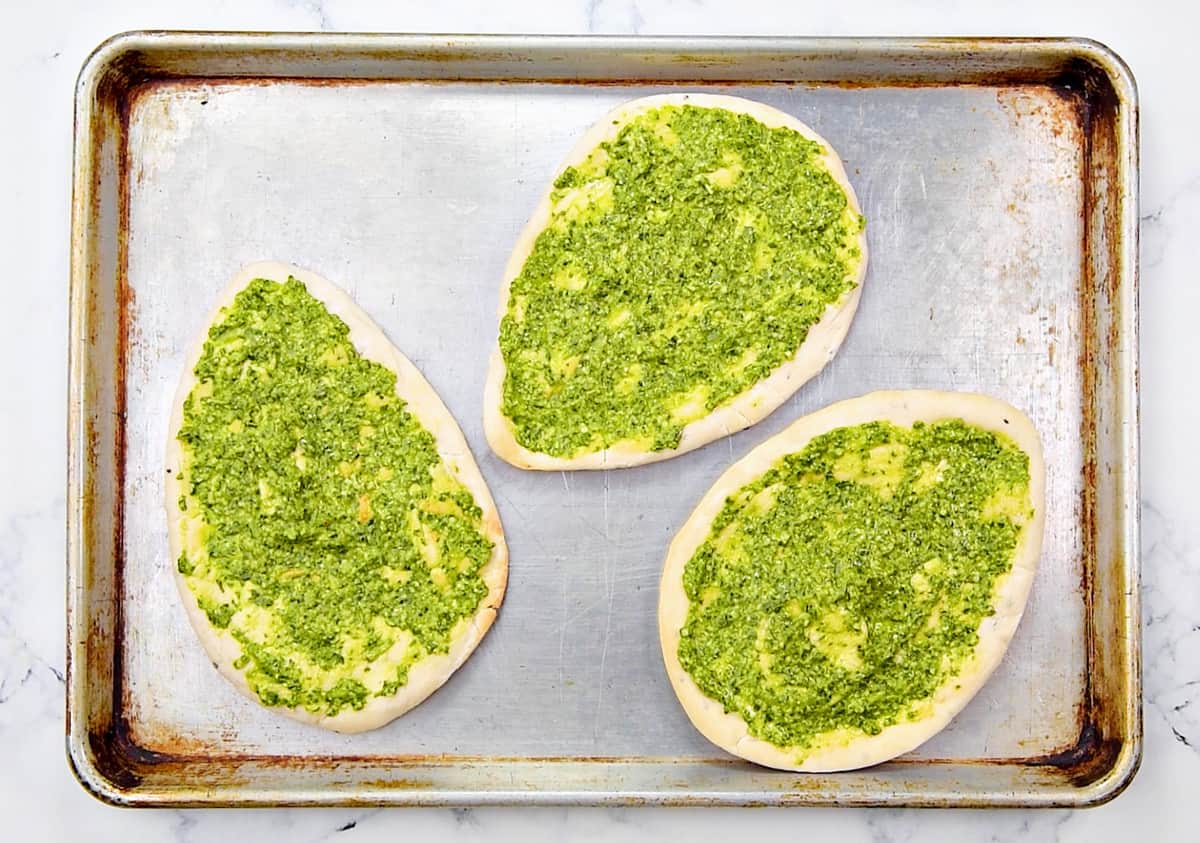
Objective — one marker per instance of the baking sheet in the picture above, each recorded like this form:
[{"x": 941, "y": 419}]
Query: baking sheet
[{"x": 996, "y": 226}]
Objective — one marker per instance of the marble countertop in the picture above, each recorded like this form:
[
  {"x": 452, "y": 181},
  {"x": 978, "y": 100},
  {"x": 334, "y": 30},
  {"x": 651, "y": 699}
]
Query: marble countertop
[{"x": 43, "y": 47}]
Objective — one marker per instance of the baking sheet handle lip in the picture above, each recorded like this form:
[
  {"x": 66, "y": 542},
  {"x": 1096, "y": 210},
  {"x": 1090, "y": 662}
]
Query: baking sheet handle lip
[
  {"x": 109, "y": 52},
  {"x": 103, "y": 61},
  {"x": 1130, "y": 760},
  {"x": 1058, "y": 796},
  {"x": 1119, "y": 77},
  {"x": 81, "y": 194}
]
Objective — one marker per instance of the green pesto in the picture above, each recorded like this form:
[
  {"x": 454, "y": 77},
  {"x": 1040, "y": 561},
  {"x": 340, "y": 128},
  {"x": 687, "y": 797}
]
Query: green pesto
[
  {"x": 859, "y": 591},
  {"x": 319, "y": 490},
  {"x": 684, "y": 261}
]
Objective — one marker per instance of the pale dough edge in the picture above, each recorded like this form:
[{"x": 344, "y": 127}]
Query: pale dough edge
[
  {"x": 428, "y": 674},
  {"x": 743, "y": 410},
  {"x": 729, "y": 731}
]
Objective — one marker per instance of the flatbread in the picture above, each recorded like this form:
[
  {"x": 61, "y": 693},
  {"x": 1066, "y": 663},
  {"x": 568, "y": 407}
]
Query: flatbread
[
  {"x": 743, "y": 410},
  {"x": 848, "y": 751},
  {"x": 427, "y": 674}
]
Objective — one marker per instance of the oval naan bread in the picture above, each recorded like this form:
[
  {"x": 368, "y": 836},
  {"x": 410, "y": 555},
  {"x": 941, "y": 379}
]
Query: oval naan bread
[
  {"x": 697, "y": 258},
  {"x": 842, "y": 592},
  {"x": 336, "y": 548}
]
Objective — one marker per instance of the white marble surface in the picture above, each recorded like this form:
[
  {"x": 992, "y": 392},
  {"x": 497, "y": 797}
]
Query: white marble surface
[{"x": 43, "y": 46}]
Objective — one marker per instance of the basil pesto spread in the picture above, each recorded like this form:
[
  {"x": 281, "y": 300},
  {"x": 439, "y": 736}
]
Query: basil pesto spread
[
  {"x": 843, "y": 587},
  {"x": 321, "y": 529},
  {"x": 683, "y": 261}
]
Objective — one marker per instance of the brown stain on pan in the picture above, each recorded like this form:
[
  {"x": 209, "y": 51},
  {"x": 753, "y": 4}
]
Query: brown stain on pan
[
  {"x": 101, "y": 653},
  {"x": 124, "y": 296},
  {"x": 1098, "y": 750},
  {"x": 1053, "y": 105},
  {"x": 395, "y": 784},
  {"x": 1088, "y": 761}
]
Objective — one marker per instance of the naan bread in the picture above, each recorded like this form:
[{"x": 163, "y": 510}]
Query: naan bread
[
  {"x": 853, "y": 749},
  {"x": 747, "y": 408},
  {"x": 429, "y": 672}
]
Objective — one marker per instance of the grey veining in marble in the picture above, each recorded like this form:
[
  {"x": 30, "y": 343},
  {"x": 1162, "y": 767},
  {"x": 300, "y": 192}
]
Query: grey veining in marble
[{"x": 43, "y": 46}]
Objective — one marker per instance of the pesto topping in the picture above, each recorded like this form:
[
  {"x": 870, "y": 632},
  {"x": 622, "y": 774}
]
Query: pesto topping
[
  {"x": 321, "y": 528},
  {"x": 844, "y": 586},
  {"x": 684, "y": 261}
]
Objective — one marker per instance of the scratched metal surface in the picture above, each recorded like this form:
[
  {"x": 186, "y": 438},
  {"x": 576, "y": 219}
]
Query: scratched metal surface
[{"x": 410, "y": 195}]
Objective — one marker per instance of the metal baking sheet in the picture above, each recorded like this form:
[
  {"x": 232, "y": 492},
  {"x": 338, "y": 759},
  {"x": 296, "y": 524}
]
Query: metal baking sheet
[{"x": 999, "y": 179}]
